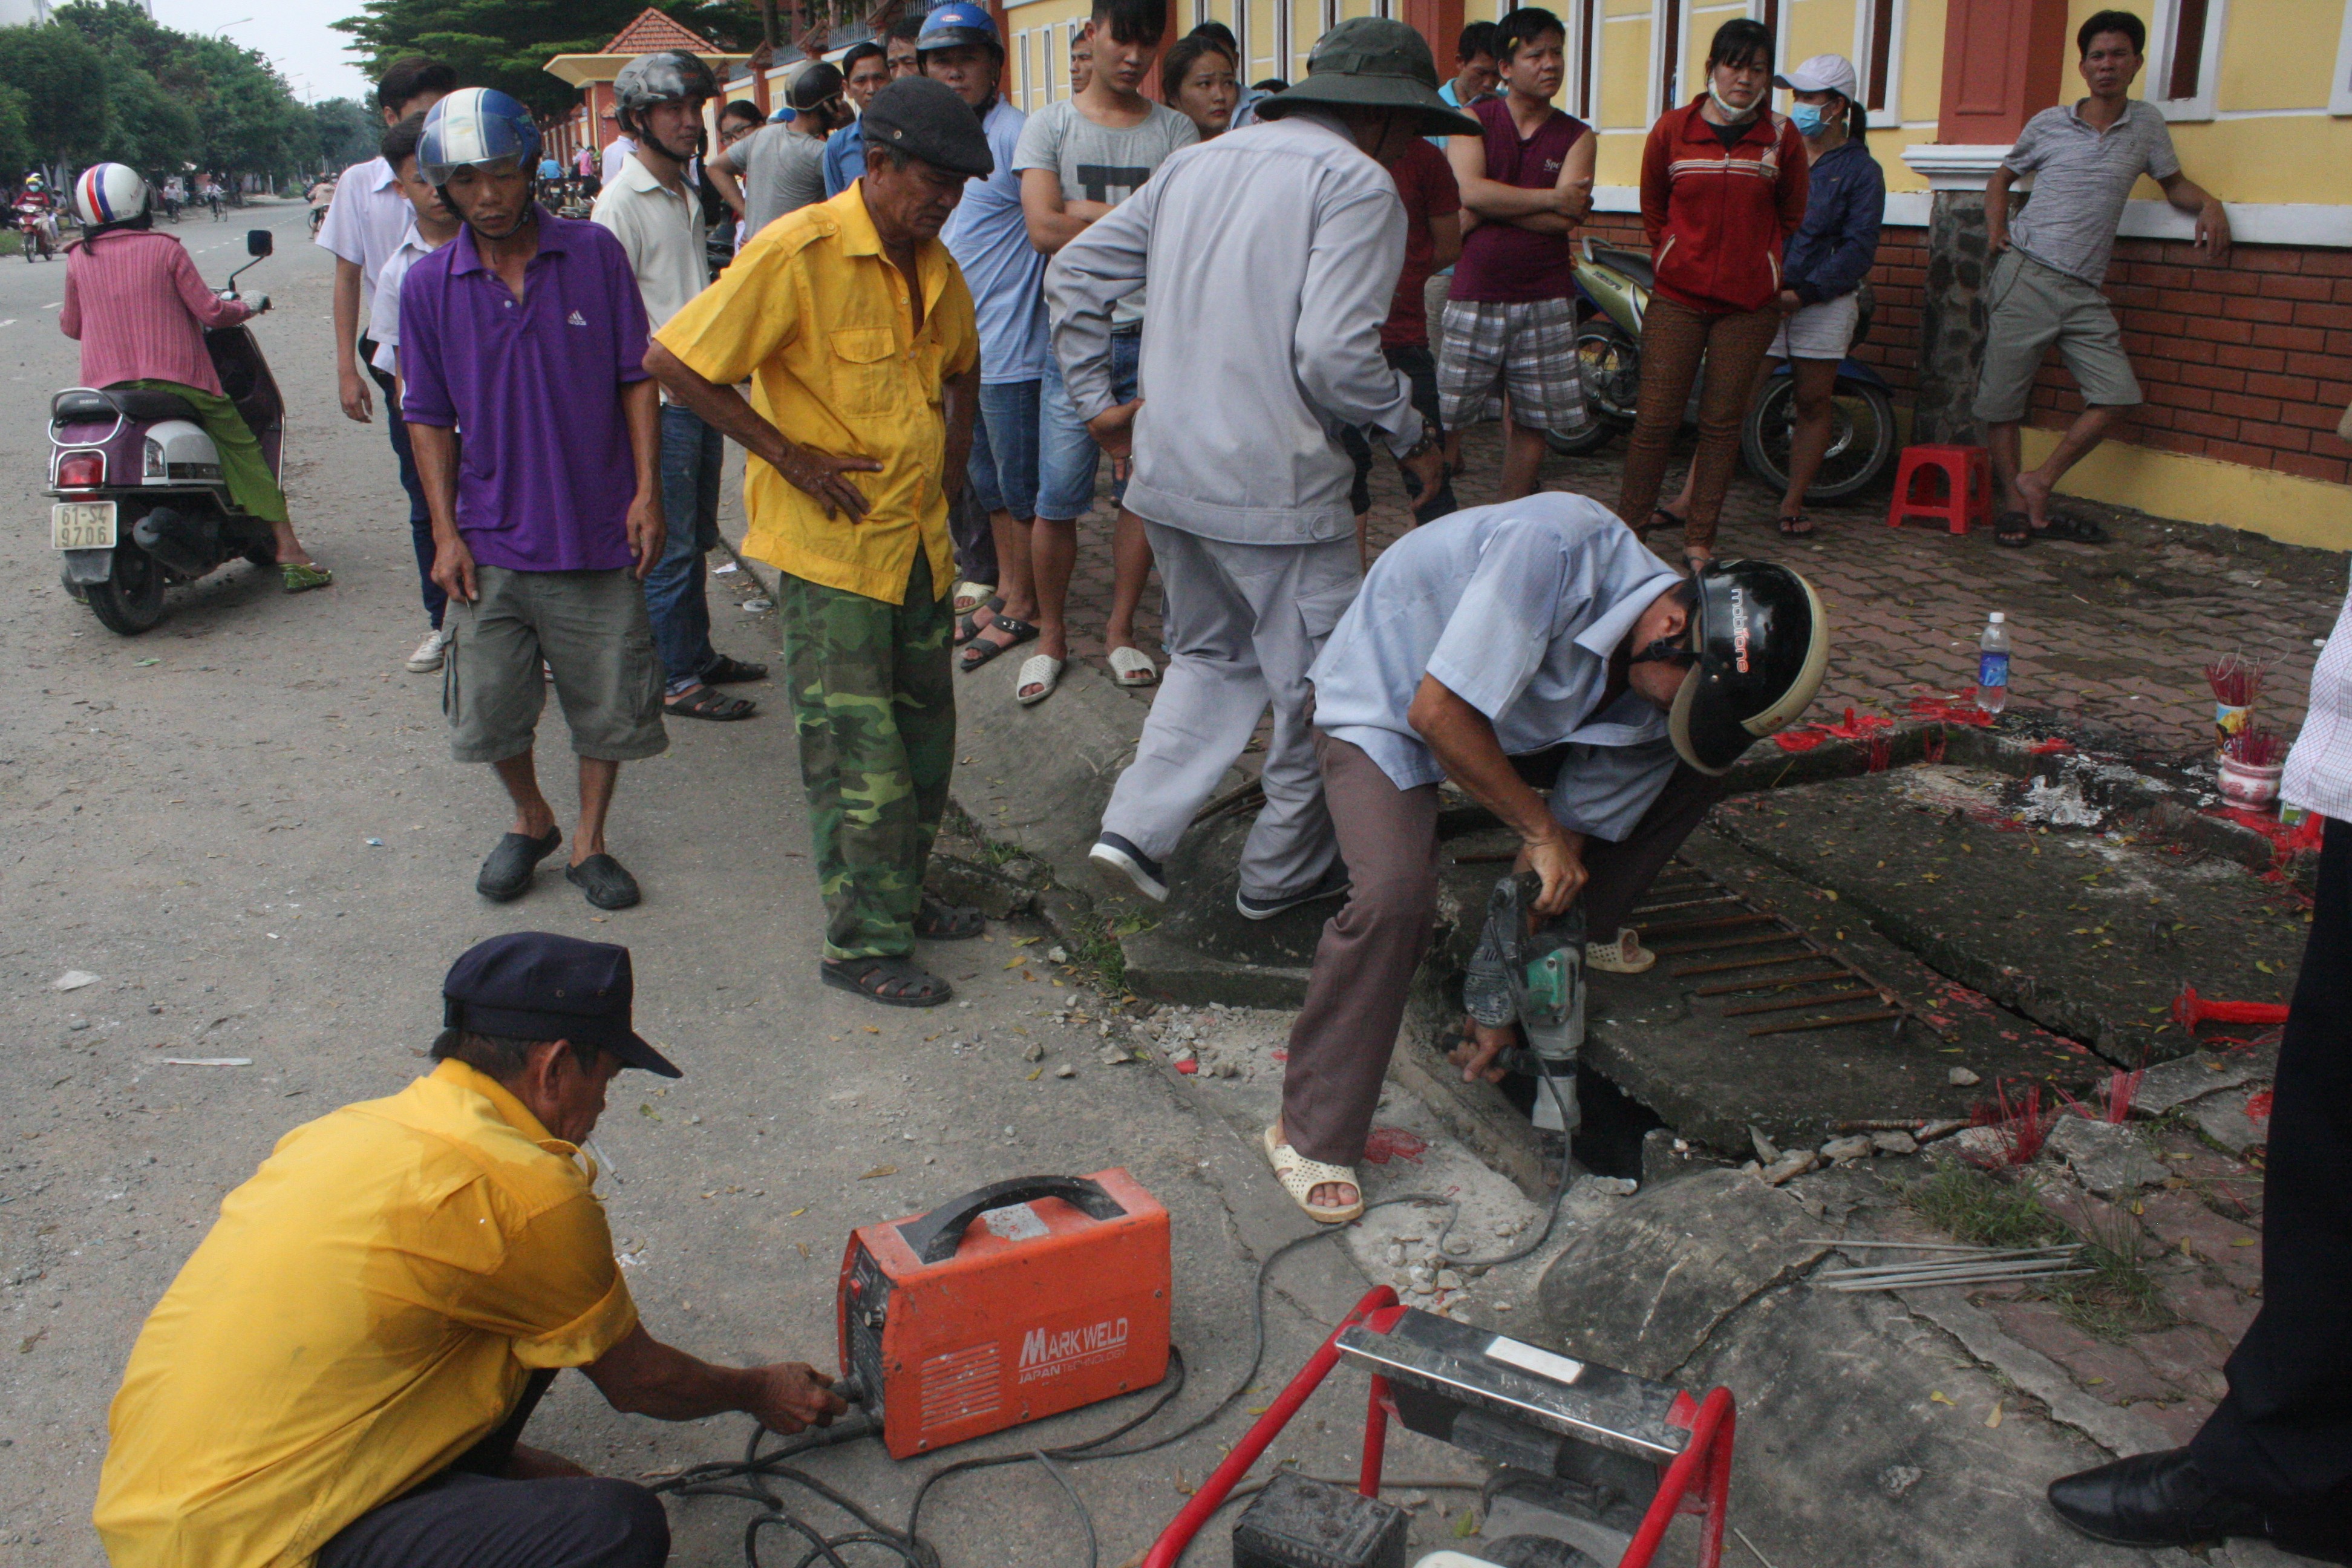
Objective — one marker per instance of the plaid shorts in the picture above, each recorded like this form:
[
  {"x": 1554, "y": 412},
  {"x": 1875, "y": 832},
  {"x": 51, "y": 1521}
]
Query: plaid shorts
[{"x": 1528, "y": 348}]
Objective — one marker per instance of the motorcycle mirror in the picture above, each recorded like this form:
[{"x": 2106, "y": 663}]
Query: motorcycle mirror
[{"x": 260, "y": 242}]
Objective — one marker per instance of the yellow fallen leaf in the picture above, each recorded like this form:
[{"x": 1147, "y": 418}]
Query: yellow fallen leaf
[
  {"x": 1259, "y": 1409},
  {"x": 1994, "y": 1419},
  {"x": 1937, "y": 1396},
  {"x": 2244, "y": 1241},
  {"x": 872, "y": 1030},
  {"x": 804, "y": 1246},
  {"x": 2093, "y": 1382},
  {"x": 796, "y": 1213},
  {"x": 1831, "y": 893},
  {"x": 1930, "y": 876},
  {"x": 879, "y": 1171},
  {"x": 1036, "y": 1073},
  {"x": 1016, "y": 963},
  {"x": 1025, "y": 940}
]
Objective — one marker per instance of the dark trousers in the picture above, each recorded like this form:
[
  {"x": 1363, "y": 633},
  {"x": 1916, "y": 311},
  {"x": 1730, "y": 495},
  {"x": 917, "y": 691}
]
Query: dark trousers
[
  {"x": 1421, "y": 369},
  {"x": 2282, "y": 1438},
  {"x": 1364, "y": 964},
  {"x": 1674, "y": 339},
  {"x": 974, "y": 539},
  {"x": 420, "y": 517}
]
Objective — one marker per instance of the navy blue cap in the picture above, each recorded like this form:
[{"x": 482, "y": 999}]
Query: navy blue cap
[{"x": 536, "y": 985}]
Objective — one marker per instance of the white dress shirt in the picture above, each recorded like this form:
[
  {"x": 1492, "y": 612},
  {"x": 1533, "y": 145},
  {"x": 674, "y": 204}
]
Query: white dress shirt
[
  {"x": 2319, "y": 769},
  {"x": 366, "y": 223}
]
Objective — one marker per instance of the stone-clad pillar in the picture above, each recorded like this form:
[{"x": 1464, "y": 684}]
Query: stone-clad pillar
[{"x": 2003, "y": 63}]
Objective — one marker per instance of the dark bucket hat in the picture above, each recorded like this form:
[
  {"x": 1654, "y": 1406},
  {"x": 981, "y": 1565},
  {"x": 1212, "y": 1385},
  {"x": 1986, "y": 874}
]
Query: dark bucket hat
[{"x": 1372, "y": 62}]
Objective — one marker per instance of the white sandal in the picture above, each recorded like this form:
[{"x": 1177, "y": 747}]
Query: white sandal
[
  {"x": 1626, "y": 955},
  {"x": 969, "y": 596},
  {"x": 1132, "y": 667},
  {"x": 1041, "y": 670},
  {"x": 1300, "y": 1176}
]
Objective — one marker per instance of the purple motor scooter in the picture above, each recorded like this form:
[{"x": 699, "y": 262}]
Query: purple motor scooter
[{"x": 141, "y": 501}]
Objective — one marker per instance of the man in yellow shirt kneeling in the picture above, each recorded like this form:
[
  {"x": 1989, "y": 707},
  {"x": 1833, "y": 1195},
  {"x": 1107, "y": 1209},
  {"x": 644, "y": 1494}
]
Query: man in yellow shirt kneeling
[{"x": 341, "y": 1370}]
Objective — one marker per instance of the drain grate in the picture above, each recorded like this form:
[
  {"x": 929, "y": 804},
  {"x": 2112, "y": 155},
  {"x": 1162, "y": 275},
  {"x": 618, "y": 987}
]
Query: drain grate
[{"x": 1730, "y": 927}]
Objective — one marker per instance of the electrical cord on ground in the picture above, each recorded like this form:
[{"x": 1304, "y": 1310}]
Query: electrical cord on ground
[{"x": 908, "y": 1545}]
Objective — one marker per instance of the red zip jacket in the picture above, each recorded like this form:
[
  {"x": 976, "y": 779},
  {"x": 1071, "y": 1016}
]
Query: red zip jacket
[{"x": 1717, "y": 220}]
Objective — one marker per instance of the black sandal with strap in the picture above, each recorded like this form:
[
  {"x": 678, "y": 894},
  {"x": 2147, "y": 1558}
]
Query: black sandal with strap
[
  {"x": 967, "y": 625},
  {"x": 938, "y": 921},
  {"x": 895, "y": 981},
  {"x": 1788, "y": 526},
  {"x": 2012, "y": 530},
  {"x": 728, "y": 671},
  {"x": 982, "y": 648},
  {"x": 709, "y": 702}
]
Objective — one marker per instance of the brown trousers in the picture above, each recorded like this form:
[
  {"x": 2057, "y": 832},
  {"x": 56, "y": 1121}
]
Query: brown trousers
[
  {"x": 1364, "y": 964},
  {"x": 1674, "y": 338}
]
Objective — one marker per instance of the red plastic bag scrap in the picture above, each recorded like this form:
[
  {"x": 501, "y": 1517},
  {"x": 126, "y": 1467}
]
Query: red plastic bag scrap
[
  {"x": 1960, "y": 708},
  {"x": 1388, "y": 1144},
  {"x": 2051, "y": 747}
]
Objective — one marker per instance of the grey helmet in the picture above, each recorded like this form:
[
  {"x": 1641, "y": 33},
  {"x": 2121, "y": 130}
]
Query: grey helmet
[{"x": 666, "y": 75}]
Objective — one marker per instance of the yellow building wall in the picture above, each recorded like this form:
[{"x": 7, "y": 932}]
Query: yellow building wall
[{"x": 1039, "y": 50}]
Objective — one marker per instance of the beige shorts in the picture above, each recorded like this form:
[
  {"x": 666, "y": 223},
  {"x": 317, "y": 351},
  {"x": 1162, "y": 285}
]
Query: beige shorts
[
  {"x": 592, "y": 629},
  {"x": 1824, "y": 330},
  {"x": 2028, "y": 307}
]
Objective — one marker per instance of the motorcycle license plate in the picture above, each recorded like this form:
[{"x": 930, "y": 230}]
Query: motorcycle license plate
[{"x": 82, "y": 525}]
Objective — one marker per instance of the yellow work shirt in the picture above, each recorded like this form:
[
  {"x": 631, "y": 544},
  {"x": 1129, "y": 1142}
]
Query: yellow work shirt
[
  {"x": 367, "y": 1308},
  {"x": 819, "y": 320}
]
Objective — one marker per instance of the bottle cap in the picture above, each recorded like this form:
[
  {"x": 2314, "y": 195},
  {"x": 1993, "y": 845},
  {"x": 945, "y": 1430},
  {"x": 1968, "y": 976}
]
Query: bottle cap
[{"x": 1998, "y": 617}]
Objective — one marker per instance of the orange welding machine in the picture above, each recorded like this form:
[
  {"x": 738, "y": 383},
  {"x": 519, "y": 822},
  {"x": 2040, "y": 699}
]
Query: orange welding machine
[{"x": 1020, "y": 1300}]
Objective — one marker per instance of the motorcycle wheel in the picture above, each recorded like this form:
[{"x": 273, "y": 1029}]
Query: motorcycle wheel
[
  {"x": 1862, "y": 440},
  {"x": 1611, "y": 365},
  {"x": 1592, "y": 439},
  {"x": 132, "y": 600}
]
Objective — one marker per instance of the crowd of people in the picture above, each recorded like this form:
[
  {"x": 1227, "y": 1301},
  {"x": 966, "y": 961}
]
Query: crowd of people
[{"x": 927, "y": 318}]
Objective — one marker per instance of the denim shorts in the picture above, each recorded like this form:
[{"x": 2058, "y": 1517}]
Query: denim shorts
[
  {"x": 1003, "y": 468},
  {"x": 1065, "y": 452}
]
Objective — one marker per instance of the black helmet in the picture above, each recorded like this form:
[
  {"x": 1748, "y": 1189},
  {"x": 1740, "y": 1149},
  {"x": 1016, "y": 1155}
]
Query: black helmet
[
  {"x": 667, "y": 76},
  {"x": 1761, "y": 643}
]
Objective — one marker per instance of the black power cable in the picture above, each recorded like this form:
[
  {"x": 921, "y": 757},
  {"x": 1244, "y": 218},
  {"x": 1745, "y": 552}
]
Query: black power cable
[{"x": 908, "y": 1545}]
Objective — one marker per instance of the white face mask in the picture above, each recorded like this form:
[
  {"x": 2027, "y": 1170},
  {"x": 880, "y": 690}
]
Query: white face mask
[{"x": 1731, "y": 116}]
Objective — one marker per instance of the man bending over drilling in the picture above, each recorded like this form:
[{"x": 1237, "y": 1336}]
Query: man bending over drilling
[{"x": 340, "y": 1373}]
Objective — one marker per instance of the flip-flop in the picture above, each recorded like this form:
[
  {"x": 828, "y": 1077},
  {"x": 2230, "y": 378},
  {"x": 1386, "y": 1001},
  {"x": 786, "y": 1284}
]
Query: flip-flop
[
  {"x": 506, "y": 874},
  {"x": 731, "y": 671},
  {"x": 874, "y": 979},
  {"x": 969, "y": 596},
  {"x": 936, "y": 919},
  {"x": 301, "y": 576},
  {"x": 606, "y": 881},
  {"x": 2012, "y": 530},
  {"x": 2075, "y": 528},
  {"x": 1132, "y": 667},
  {"x": 1041, "y": 670},
  {"x": 980, "y": 650},
  {"x": 708, "y": 701},
  {"x": 967, "y": 625},
  {"x": 1788, "y": 526}
]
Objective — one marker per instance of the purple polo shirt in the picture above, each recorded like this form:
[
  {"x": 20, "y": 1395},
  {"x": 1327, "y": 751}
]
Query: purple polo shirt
[{"x": 545, "y": 474}]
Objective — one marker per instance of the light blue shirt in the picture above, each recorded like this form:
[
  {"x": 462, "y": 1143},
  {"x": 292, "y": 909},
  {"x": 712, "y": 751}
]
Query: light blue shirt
[
  {"x": 1516, "y": 608},
  {"x": 845, "y": 160},
  {"x": 990, "y": 241}
]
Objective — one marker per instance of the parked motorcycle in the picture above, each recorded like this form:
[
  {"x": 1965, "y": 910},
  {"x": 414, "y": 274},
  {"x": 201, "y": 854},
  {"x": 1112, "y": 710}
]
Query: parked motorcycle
[
  {"x": 141, "y": 501},
  {"x": 1613, "y": 286}
]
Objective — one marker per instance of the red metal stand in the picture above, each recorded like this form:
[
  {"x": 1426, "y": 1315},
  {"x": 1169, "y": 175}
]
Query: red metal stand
[{"x": 1698, "y": 1481}]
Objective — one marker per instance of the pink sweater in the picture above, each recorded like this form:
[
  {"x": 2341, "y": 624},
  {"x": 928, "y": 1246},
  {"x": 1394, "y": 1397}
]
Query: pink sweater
[{"x": 135, "y": 302}]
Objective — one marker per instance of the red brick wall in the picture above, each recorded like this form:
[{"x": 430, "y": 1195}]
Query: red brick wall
[{"x": 2250, "y": 363}]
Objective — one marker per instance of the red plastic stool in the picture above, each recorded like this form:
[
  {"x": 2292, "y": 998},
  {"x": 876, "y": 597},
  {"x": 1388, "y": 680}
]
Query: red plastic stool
[{"x": 1967, "y": 486}]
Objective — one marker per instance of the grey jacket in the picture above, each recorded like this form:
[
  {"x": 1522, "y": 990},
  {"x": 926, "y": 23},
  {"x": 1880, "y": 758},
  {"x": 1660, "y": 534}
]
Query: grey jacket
[{"x": 1272, "y": 254}]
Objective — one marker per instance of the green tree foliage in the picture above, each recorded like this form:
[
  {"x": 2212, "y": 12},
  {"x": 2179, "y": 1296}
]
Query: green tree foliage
[
  {"x": 16, "y": 134},
  {"x": 507, "y": 44},
  {"x": 347, "y": 132},
  {"x": 60, "y": 78}
]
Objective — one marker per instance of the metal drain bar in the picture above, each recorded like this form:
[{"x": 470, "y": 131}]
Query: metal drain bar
[{"x": 1684, "y": 886}]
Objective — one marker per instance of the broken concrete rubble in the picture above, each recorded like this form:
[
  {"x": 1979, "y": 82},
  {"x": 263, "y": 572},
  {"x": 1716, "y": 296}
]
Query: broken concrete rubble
[{"x": 2109, "y": 1158}]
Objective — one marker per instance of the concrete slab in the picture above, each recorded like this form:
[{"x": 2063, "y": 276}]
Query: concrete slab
[
  {"x": 2167, "y": 1086},
  {"x": 2090, "y": 936}
]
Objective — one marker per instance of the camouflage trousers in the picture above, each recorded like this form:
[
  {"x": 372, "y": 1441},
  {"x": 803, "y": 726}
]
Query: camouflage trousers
[{"x": 875, "y": 707}]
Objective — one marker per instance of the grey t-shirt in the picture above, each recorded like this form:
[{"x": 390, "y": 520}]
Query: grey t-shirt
[
  {"x": 1102, "y": 162},
  {"x": 782, "y": 171},
  {"x": 2082, "y": 177}
]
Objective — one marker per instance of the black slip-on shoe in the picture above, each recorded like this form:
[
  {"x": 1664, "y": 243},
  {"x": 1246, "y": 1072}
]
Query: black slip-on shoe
[
  {"x": 606, "y": 881},
  {"x": 506, "y": 875},
  {"x": 2152, "y": 1499},
  {"x": 1334, "y": 884},
  {"x": 1113, "y": 853}
]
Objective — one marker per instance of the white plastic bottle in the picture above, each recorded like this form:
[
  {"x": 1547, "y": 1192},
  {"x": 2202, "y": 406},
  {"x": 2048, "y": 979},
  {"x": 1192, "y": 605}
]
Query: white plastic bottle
[{"x": 1993, "y": 664}]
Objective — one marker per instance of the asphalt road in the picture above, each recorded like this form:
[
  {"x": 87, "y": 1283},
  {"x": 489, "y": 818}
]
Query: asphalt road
[{"x": 247, "y": 825}]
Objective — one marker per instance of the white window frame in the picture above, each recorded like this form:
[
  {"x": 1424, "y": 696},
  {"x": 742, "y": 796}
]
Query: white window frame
[
  {"x": 1280, "y": 40},
  {"x": 2209, "y": 61},
  {"x": 1584, "y": 45},
  {"x": 1329, "y": 11},
  {"x": 2339, "y": 89},
  {"x": 1654, "y": 89},
  {"x": 1891, "y": 111}
]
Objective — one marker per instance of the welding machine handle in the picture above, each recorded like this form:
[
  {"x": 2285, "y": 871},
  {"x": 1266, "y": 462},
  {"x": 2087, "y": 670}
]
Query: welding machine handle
[{"x": 936, "y": 1236}]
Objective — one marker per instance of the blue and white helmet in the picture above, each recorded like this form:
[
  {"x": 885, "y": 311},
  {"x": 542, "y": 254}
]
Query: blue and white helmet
[
  {"x": 109, "y": 193},
  {"x": 957, "y": 21},
  {"x": 480, "y": 127}
]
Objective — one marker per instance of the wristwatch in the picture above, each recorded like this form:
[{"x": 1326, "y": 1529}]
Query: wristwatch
[{"x": 1426, "y": 442}]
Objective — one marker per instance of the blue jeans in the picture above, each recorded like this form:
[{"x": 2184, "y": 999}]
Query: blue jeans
[
  {"x": 691, "y": 452},
  {"x": 1066, "y": 453},
  {"x": 420, "y": 516},
  {"x": 1005, "y": 449}
]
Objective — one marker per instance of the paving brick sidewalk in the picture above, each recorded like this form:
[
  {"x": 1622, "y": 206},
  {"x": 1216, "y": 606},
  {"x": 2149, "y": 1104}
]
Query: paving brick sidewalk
[{"x": 2117, "y": 633}]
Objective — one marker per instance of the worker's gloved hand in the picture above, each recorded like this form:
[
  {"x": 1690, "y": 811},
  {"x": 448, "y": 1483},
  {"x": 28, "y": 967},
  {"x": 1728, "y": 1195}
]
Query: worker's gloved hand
[{"x": 795, "y": 1395}]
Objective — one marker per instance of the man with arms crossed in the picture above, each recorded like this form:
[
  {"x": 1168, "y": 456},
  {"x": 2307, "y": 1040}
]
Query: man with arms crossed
[
  {"x": 2051, "y": 259},
  {"x": 339, "y": 1374},
  {"x": 1272, "y": 254}
]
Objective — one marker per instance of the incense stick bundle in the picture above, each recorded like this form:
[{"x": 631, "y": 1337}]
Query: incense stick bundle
[{"x": 2235, "y": 682}]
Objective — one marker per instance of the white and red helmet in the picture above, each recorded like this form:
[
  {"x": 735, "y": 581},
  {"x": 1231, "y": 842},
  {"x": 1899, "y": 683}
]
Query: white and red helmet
[{"x": 109, "y": 193}]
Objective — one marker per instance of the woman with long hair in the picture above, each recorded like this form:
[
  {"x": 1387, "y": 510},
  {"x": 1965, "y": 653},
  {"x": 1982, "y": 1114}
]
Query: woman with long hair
[
  {"x": 1724, "y": 183},
  {"x": 1197, "y": 77}
]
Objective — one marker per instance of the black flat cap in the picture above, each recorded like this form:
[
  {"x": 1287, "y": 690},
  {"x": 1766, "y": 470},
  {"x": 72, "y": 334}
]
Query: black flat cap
[
  {"x": 534, "y": 985},
  {"x": 925, "y": 118}
]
